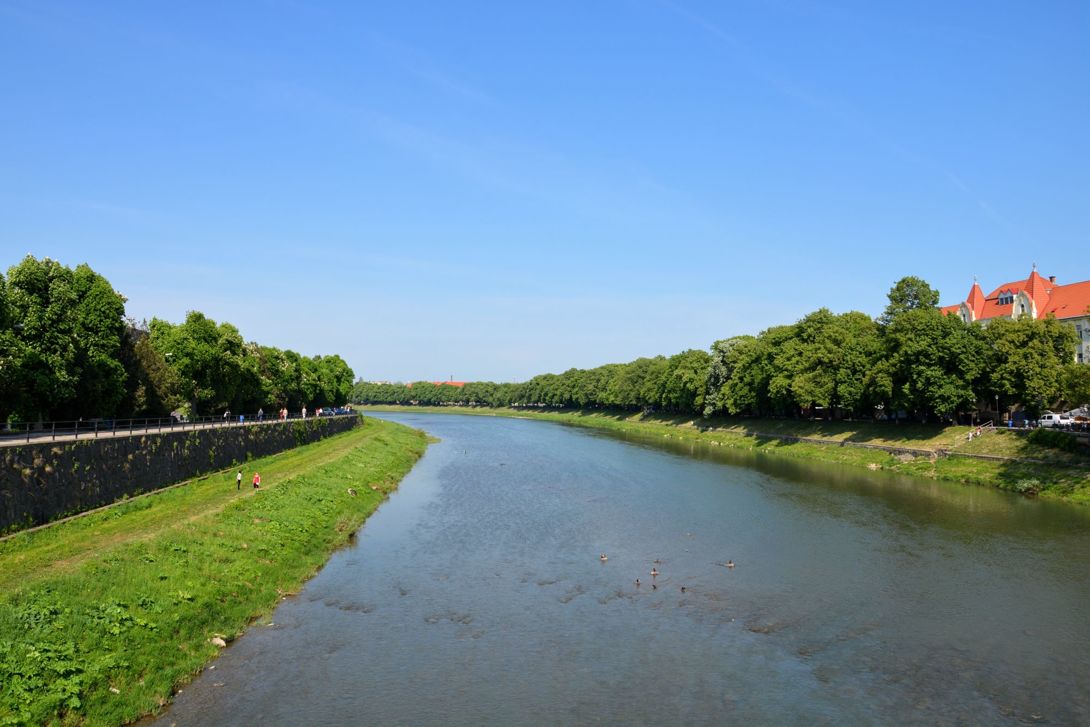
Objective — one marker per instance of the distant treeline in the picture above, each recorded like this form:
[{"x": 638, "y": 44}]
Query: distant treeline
[
  {"x": 911, "y": 361},
  {"x": 67, "y": 351}
]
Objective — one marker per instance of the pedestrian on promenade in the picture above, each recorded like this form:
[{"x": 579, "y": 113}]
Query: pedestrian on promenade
[
  {"x": 304, "y": 412},
  {"x": 226, "y": 414},
  {"x": 260, "y": 415},
  {"x": 238, "y": 480},
  {"x": 257, "y": 480}
]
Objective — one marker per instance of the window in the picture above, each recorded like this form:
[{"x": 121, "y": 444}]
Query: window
[{"x": 1006, "y": 298}]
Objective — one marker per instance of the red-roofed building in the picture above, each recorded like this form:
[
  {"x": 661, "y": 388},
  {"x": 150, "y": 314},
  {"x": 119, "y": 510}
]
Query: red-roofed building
[{"x": 1036, "y": 296}]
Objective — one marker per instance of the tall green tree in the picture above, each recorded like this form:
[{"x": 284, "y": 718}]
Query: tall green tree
[
  {"x": 9, "y": 357},
  {"x": 1028, "y": 360},
  {"x": 908, "y": 293},
  {"x": 685, "y": 382},
  {"x": 64, "y": 341},
  {"x": 721, "y": 367},
  {"x": 208, "y": 358},
  {"x": 1076, "y": 384},
  {"x": 152, "y": 386},
  {"x": 937, "y": 363},
  {"x": 757, "y": 386}
]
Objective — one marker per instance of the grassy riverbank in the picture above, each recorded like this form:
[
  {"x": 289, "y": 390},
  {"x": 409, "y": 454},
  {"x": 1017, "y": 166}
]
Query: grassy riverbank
[
  {"x": 1027, "y": 467},
  {"x": 102, "y": 617}
]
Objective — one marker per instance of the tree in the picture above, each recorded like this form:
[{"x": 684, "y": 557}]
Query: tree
[
  {"x": 152, "y": 386},
  {"x": 1076, "y": 384},
  {"x": 637, "y": 384},
  {"x": 335, "y": 380},
  {"x": 757, "y": 386},
  {"x": 720, "y": 369},
  {"x": 64, "y": 341},
  {"x": 936, "y": 363},
  {"x": 9, "y": 355},
  {"x": 908, "y": 293},
  {"x": 685, "y": 382},
  {"x": 1028, "y": 360},
  {"x": 207, "y": 357}
]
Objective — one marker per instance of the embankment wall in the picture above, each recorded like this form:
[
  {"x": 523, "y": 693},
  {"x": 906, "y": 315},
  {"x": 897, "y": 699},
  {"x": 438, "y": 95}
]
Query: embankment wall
[{"x": 46, "y": 481}]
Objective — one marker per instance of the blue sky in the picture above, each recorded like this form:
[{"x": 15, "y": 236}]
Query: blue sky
[{"x": 495, "y": 190}]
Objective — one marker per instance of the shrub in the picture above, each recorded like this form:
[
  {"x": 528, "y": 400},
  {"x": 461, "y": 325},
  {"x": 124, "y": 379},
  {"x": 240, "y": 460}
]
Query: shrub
[
  {"x": 1029, "y": 486},
  {"x": 1054, "y": 439}
]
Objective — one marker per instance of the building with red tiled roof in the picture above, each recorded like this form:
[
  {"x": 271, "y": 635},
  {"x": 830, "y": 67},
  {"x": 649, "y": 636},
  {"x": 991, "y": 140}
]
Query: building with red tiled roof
[{"x": 1037, "y": 297}]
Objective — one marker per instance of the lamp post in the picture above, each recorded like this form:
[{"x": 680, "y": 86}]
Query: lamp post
[{"x": 997, "y": 409}]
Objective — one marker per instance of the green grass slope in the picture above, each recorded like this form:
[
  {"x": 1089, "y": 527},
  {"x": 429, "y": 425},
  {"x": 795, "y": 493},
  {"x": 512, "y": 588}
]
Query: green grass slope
[
  {"x": 1024, "y": 466},
  {"x": 104, "y": 616}
]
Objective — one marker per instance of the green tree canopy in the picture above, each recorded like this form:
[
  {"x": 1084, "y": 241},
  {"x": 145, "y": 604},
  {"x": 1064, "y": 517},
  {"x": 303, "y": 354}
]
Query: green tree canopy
[
  {"x": 721, "y": 366},
  {"x": 1076, "y": 384},
  {"x": 937, "y": 363},
  {"x": 1028, "y": 360},
  {"x": 685, "y": 382},
  {"x": 63, "y": 341},
  {"x": 207, "y": 356},
  {"x": 909, "y": 293}
]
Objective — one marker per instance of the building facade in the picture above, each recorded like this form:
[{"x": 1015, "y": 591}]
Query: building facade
[{"x": 1036, "y": 296}]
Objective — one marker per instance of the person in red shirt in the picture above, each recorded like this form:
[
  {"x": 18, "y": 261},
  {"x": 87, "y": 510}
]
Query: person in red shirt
[{"x": 257, "y": 480}]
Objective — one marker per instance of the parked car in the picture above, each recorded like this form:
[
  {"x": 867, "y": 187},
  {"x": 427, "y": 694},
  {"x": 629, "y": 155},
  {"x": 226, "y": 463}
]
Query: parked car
[{"x": 1055, "y": 421}]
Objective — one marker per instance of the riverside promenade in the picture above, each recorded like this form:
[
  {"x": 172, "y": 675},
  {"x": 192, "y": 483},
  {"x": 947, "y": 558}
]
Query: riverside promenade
[{"x": 67, "y": 431}]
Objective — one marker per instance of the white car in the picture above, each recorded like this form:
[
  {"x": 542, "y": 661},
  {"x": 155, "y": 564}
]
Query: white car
[{"x": 1048, "y": 419}]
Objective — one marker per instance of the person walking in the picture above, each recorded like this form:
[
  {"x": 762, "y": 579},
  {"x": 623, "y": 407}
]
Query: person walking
[
  {"x": 238, "y": 480},
  {"x": 257, "y": 480},
  {"x": 260, "y": 415},
  {"x": 304, "y": 412}
]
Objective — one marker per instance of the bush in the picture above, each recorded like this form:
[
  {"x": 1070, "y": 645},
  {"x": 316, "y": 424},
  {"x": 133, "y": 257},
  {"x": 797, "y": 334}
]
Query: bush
[
  {"x": 1030, "y": 486},
  {"x": 1054, "y": 439}
]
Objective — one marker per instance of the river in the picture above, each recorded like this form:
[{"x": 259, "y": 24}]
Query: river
[{"x": 475, "y": 595}]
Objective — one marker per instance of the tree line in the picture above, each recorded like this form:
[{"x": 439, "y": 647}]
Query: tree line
[
  {"x": 67, "y": 351},
  {"x": 911, "y": 362}
]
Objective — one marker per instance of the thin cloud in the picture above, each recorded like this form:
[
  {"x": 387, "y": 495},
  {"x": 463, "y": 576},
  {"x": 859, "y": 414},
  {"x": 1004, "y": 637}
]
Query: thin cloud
[{"x": 420, "y": 65}]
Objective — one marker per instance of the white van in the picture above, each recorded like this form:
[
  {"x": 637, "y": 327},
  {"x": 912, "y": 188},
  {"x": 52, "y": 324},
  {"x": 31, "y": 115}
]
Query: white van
[{"x": 1048, "y": 419}]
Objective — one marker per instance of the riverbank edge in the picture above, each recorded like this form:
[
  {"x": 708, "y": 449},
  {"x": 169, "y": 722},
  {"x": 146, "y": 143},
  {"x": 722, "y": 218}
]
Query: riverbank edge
[
  {"x": 1045, "y": 475},
  {"x": 111, "y": 641}
]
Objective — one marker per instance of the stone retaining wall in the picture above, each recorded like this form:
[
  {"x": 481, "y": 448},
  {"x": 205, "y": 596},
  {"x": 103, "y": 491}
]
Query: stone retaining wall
[{"x": 47, "y": 481}]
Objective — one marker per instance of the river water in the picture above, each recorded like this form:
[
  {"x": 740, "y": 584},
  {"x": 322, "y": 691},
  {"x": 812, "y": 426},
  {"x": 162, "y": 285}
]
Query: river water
[{"x": 476, "y": 595}]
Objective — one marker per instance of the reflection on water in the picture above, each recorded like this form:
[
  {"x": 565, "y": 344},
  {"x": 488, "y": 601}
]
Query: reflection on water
[{"x": 476, "y": 595}]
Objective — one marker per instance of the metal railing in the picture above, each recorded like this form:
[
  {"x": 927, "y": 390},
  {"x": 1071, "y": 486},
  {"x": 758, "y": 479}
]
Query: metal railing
[{"x": 25, "y": 432}]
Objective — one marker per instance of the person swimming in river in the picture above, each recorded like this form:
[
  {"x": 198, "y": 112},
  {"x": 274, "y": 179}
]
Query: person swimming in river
[
  {"x": 637, "y": 583},
  {"x": 654, "y": 572},
  {"x": 603, "y": 557},
  {"x": 730, "y": 563}
]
